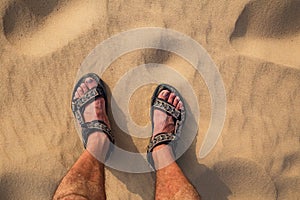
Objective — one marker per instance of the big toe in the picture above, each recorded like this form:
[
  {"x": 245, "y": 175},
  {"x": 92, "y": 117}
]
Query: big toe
[
  {"x": 164, "y": 94},
  {"x": 90, "y": 82}
]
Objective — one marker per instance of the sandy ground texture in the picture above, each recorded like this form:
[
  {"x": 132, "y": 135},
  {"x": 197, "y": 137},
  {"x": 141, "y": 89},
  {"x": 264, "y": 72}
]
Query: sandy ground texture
[{"x": 255, "y": 45}]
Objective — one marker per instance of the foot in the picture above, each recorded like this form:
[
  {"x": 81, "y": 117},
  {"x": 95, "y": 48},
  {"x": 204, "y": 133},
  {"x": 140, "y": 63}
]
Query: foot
[
  {"x": 98, "y": 143},
  {"x": 162, "y": 121}
]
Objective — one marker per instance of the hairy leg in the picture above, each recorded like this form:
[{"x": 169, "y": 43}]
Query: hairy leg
[
  {"x": 171, "y": 183},
  {"x": 85, "y": 180}
]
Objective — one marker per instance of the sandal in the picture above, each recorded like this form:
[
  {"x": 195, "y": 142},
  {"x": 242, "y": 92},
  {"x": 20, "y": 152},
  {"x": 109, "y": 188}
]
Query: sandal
[
  {"x": 79, "y": 104},
  {"x": 169, "y": 109}
]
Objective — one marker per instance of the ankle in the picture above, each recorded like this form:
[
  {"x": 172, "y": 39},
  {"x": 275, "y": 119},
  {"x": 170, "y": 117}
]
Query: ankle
[
  {"x": 98, "y": 145},
  {"x": 162, "y": 156}
]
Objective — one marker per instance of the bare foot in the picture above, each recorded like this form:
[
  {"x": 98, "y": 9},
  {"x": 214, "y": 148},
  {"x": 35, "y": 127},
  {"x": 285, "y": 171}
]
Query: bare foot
[
  {"x": 163, "y": 122},
  {"x": 98, "y": 142}
]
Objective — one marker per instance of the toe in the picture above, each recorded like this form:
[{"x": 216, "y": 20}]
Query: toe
[
  {"x": 176, "y": 101},
  {"x": 84, "y": 87},
  {"x": 171, "y": 98},
  {"x": 90, "y": 83},
  {"x": 76, "y": 96},
  {"x": 179, "y": 105},
  {"x": 80, "y": 91},
  {"x": 164, "y": 94}
]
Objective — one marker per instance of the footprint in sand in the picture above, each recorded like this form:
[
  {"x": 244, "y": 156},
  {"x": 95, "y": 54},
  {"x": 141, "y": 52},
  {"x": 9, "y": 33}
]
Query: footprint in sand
[
  {"x": 246, "y": 179},
  {"x": 269, "y": 30},
  {"x": 38, "y": 27}
]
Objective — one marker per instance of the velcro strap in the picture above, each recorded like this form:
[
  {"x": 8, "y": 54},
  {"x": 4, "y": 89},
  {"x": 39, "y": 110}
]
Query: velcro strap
[
  {"x": 167, "y": 107},
  {"x": 97, "y": 125},
  {"x": 162, "y": 138}
]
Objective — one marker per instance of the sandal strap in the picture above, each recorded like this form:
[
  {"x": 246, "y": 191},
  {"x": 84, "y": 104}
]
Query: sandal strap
[
  {"x": 88, "y": 96},
  {"x": 97, "y": 125},
  {"x": 79, "y": 104},
  {"x": 161, "y": 138},
  {"x": 167, "y": 107}
]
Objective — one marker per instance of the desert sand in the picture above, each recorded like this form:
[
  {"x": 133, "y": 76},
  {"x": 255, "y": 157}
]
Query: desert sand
[{"x": 254, "y": 44}]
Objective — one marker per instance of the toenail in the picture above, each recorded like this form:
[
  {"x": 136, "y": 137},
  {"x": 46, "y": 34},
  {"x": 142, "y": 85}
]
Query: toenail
[
  {"x": 165, "y": 93},
  {"x": 180, "y": 105},
  {"x": 89, "y": 80},
  {"x": 171, "y": 97}
]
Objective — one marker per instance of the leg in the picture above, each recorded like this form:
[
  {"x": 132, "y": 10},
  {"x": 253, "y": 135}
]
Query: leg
[
  {"x": 171, "y": 183},
  {"x": 85, "y": 180}
]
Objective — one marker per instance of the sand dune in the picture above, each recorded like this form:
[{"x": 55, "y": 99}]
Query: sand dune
[
  {"x": 269, "y": 30},
  {"x": 35, "y": 32},
  {"x": 253, "y": 43}
]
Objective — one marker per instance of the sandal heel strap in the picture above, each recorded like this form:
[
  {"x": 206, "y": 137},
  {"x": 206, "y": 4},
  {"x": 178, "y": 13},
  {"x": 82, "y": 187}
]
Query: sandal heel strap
[
  {"x": 161, "y": 138},
  {"x": 97, "y": 125}
]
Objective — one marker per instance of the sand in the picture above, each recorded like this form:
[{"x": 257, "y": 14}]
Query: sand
[{"x": 255, "y": 45}]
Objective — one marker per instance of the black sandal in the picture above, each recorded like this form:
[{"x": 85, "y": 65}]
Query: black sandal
[
  {"x": 78, "y": 106},
  {"x": 169, "y": 109}
]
